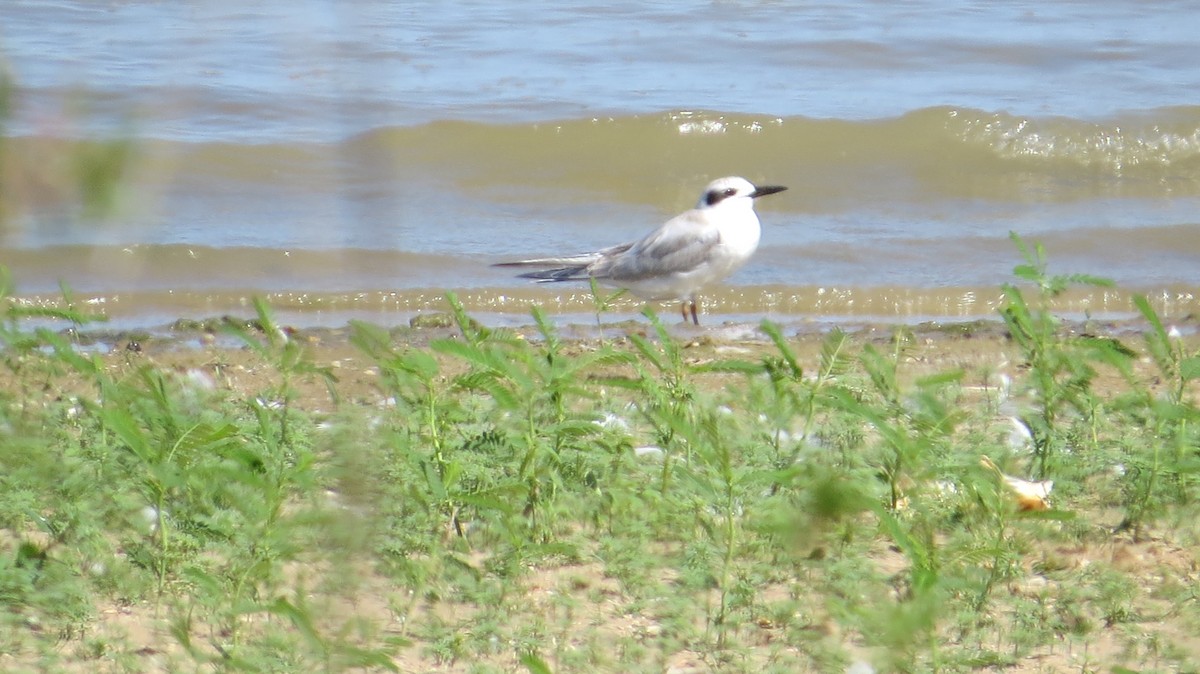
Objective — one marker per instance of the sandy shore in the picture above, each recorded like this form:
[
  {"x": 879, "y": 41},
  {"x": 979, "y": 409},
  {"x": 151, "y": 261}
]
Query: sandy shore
[{"x": 979, "y": 348}]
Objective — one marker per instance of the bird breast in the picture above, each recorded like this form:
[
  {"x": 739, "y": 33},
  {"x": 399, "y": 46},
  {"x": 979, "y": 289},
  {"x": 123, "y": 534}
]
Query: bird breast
[{"x": 739, "y": 237}]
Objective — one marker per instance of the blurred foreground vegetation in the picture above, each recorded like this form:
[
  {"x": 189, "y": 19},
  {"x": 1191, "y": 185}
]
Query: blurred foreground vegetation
[{"x": 521, "y": 503}]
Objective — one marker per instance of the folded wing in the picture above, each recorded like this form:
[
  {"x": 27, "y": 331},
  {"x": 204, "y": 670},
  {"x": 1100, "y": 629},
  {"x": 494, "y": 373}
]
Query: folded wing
[{"x": 679, "y": 246}]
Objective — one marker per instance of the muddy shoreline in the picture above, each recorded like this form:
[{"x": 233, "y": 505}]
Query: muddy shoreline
[
  {"x": 222, "y": 331},
  {"x": 219, "y": 347}
]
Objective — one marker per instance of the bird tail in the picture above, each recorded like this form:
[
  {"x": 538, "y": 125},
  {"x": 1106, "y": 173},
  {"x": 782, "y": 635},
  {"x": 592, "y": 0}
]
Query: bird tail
[
  {"x": 575, "y": 273},
  {"x": 573, "y": 268},
  {"x": 569, "y": 261}
]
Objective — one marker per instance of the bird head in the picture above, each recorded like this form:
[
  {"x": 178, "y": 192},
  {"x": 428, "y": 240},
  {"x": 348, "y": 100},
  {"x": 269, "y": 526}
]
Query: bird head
[{"x": 734, "y": 190}]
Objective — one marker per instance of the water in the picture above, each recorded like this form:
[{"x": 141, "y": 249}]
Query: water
[{"x": 365, "y": 157}]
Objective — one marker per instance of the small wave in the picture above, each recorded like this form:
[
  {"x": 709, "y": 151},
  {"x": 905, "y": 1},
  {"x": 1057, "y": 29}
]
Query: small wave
[
  {"x": 945, "y": 151},
  {"x": 1169, "y": 139}
]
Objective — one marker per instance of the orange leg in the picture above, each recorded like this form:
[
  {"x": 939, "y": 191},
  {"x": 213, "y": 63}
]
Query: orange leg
[{"x": 689, "y": 306}]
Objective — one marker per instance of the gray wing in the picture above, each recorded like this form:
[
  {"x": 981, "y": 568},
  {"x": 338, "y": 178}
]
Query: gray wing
[
  {"x": 571, "y": 268},
  {"x": 679, "y": 246},
  {"x": 583, "y": 259}
]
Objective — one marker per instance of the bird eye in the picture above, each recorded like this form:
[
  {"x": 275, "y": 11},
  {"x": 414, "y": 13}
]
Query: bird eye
[{"x": 714, "y": 197}]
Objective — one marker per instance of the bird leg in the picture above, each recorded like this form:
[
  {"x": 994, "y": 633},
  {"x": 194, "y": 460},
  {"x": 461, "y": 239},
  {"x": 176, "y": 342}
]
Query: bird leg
[{"x": 689, "y": 305}]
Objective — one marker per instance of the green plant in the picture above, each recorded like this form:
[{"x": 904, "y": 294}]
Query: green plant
[
  {"x": 602, "y": 302},
  {"x": 1061, "y": 367},
  {"x": 1161, "y": 465},
  {"x": 665, "y": 392},
  {"x": 537, "y": 387},
  {"x": 792, "y": 396},
  {"x": 472, "y": 511},
  {"x": 910, "y": 426},
  {"x": 721, "y": 485}
]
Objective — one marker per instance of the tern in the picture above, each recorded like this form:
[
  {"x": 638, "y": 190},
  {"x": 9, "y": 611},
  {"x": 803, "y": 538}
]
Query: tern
[{"x": 676, "y": 261}]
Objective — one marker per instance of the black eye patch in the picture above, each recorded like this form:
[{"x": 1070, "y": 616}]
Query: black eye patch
[{"x": 714, "y": 197}]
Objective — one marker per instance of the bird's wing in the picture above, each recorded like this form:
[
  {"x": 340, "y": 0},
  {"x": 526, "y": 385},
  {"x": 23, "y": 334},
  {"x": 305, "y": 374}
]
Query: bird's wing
[
  {"x": 680, "y": 245},
  {"x": 572, "y": 268},
  {"x": 568, "y": 261}
]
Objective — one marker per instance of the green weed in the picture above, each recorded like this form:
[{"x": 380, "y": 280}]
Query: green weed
[
  {"x": 514, "y": 501},
  {"x": 1061, "y": 367}
]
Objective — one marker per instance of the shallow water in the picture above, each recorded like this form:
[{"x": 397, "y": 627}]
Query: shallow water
[{"x": 371, "y": 155}]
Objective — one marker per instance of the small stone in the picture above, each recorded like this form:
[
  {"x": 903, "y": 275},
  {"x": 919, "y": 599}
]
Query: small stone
[{"x": 436, "y": 320}]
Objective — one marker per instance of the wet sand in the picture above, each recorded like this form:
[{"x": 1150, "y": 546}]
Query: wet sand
[
  {"x": 727, "y": 311},
  {"x": 979, "y": 348}
]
